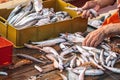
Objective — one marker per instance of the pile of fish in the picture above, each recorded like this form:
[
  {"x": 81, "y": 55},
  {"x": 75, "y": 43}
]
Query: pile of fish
[
  {"x": 78, "y": 60},
  {"x": 34, "y": 14}
]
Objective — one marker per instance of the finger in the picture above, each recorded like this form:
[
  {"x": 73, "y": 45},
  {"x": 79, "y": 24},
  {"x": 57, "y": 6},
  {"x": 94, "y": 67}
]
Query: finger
[
  {"x": 94, "y": 41},
  {"x": 84, "y": 13},
  {"x": 97, "y": 42},
  {"x": 79, "y": 12},
  {"x": 91, "y": 16},
  {"x": 84, "y": 42},
  {"x": 88, "y": 42},
  {"x": 87, "y": 14}
]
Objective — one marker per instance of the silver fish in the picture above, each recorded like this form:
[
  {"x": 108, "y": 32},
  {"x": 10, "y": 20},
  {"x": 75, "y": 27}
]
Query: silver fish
[
  {"x": 82, "y": 73},
  {"x": 72, "y": 75},
  {"x": 29, "y": 57},
  {"x": 28, "y": 20},
  {"x": 38, "y": 5},
  {"x": 90, "y": 72},
  {"x": 49, "y": 42},
  {"x": 15, "y": 11},
  {"x": 38, "y": 68},
  {"x": 102, "y": 57},
  {"x": 3, "y": 73},
  {"x": 43, "y": 21},
  {"x": 14, "y": 20},
  {"x": 115, "y": 70},
  {"x": 27, "y": 25}
]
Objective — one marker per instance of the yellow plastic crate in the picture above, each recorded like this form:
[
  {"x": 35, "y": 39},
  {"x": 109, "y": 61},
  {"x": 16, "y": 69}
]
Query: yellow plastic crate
[{"x": 19, "y": 37}]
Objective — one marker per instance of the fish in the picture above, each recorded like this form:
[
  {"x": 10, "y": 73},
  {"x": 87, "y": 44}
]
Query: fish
[
  {"x": 81, "y": 60},
  {"x": 15, "y": 11},
  {"x": 113, "y": 62},
  {"x": 82, "y": 73},
  {"x": 29, "y": 6},
  {"x": 49, "y": 42},
  {"x": 84, "y": 58},
  {"x": 26, "y": 20},
  {"x": 29, "y": 57},
  {"x": 60, "y": 64},
  {"x": 52, "y": 58},
  {"x": 72, "y": 75},
  {"x": 20, "y": 63},
  {"x": 38, "y": 5},
  {"x": 102, "y": 57},
  {"x": 95, "y": 56},
  {"x": 50, "y": 50},
  {"x": 38, "y": 68},
  {"x": 95, "y": 63},
  {"x": 27, "y": 25},
  {"x": 67, "y": 51},
  {"x": 109, "y": 63},
  {"x": 19, "y": 15},
  {"x": 43, "y": 21},
  {"x": 82, "y": 51},
  {"x": 72, "y": 62},
  {"x": 3, "y": 73},
  {"x": 115, "y": 70},
  {"x": 90, "y": 72},
  {"x": 31, "y": 46}
]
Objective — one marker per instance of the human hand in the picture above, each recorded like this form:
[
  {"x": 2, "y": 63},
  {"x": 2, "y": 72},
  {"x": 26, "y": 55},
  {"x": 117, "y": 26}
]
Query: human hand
[
  {"x": 87, "y": 7},
  {"x": 94, "y": 38}
]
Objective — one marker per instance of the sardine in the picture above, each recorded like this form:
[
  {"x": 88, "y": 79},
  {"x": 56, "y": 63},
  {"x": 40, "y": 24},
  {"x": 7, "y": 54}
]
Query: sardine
[
  {"x": 90, "y": 72},
  {"x": 3, "y": 73},
  {"x": 115, "y": 70},
  {"x": 95, "y": 63},
  {"x": 38, "y": 5},
  {"x": 72, "y": 75},
  {"x": 52, "y": 58},
  {"x": 49, "y": 42},
  {"x": 38, "y": 68},
  {"x": 82, "y": 73},
  {"x": 29, "y": 57},
  {"x": 102, "y": 57},
  {"x": 14, "y": 12},
  {"x": 20, "y": 63},
  {"x": 27, "y": 20},
  {"x": 72, "y": 62},
  {"x": 82, "y": 51}
]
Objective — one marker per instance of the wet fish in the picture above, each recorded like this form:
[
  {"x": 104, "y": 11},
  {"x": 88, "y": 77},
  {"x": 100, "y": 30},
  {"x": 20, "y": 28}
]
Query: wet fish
[
  {"x": 27, "y": 25},
  {"x": 49, "y": 42},
  {"x": 38, "y": 5},
  {"x": 27, "y": 20},
  {"x": 115, "y": 70},
  {"x": 90, "y": 72},
  {"x": 15, "y": 11},
  {"x": 72, "y": 75},
  {"x": 38, "y": 68},
  {"x": 52, "y": 58},
  {"x": 82, "y": 73},
  {"x": 3, "y": 73},
  {"x": 102, "y": 57},
  {"x": 29, "y": 57},
  {"x": 20, "y": 63}
]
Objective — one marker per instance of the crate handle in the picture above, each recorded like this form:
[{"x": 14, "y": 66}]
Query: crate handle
[{"x": 3, "y": 20}]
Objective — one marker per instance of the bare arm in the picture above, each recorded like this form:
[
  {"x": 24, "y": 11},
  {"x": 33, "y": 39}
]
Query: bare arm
[
  {"x": 100, "y": 3},
  {"x": 104, "y": 3}
]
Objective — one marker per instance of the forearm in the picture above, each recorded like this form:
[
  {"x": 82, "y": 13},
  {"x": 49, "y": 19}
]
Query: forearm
[
  {"x": 104, "y": 3},
  {"x": 112, "y": 29}
]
